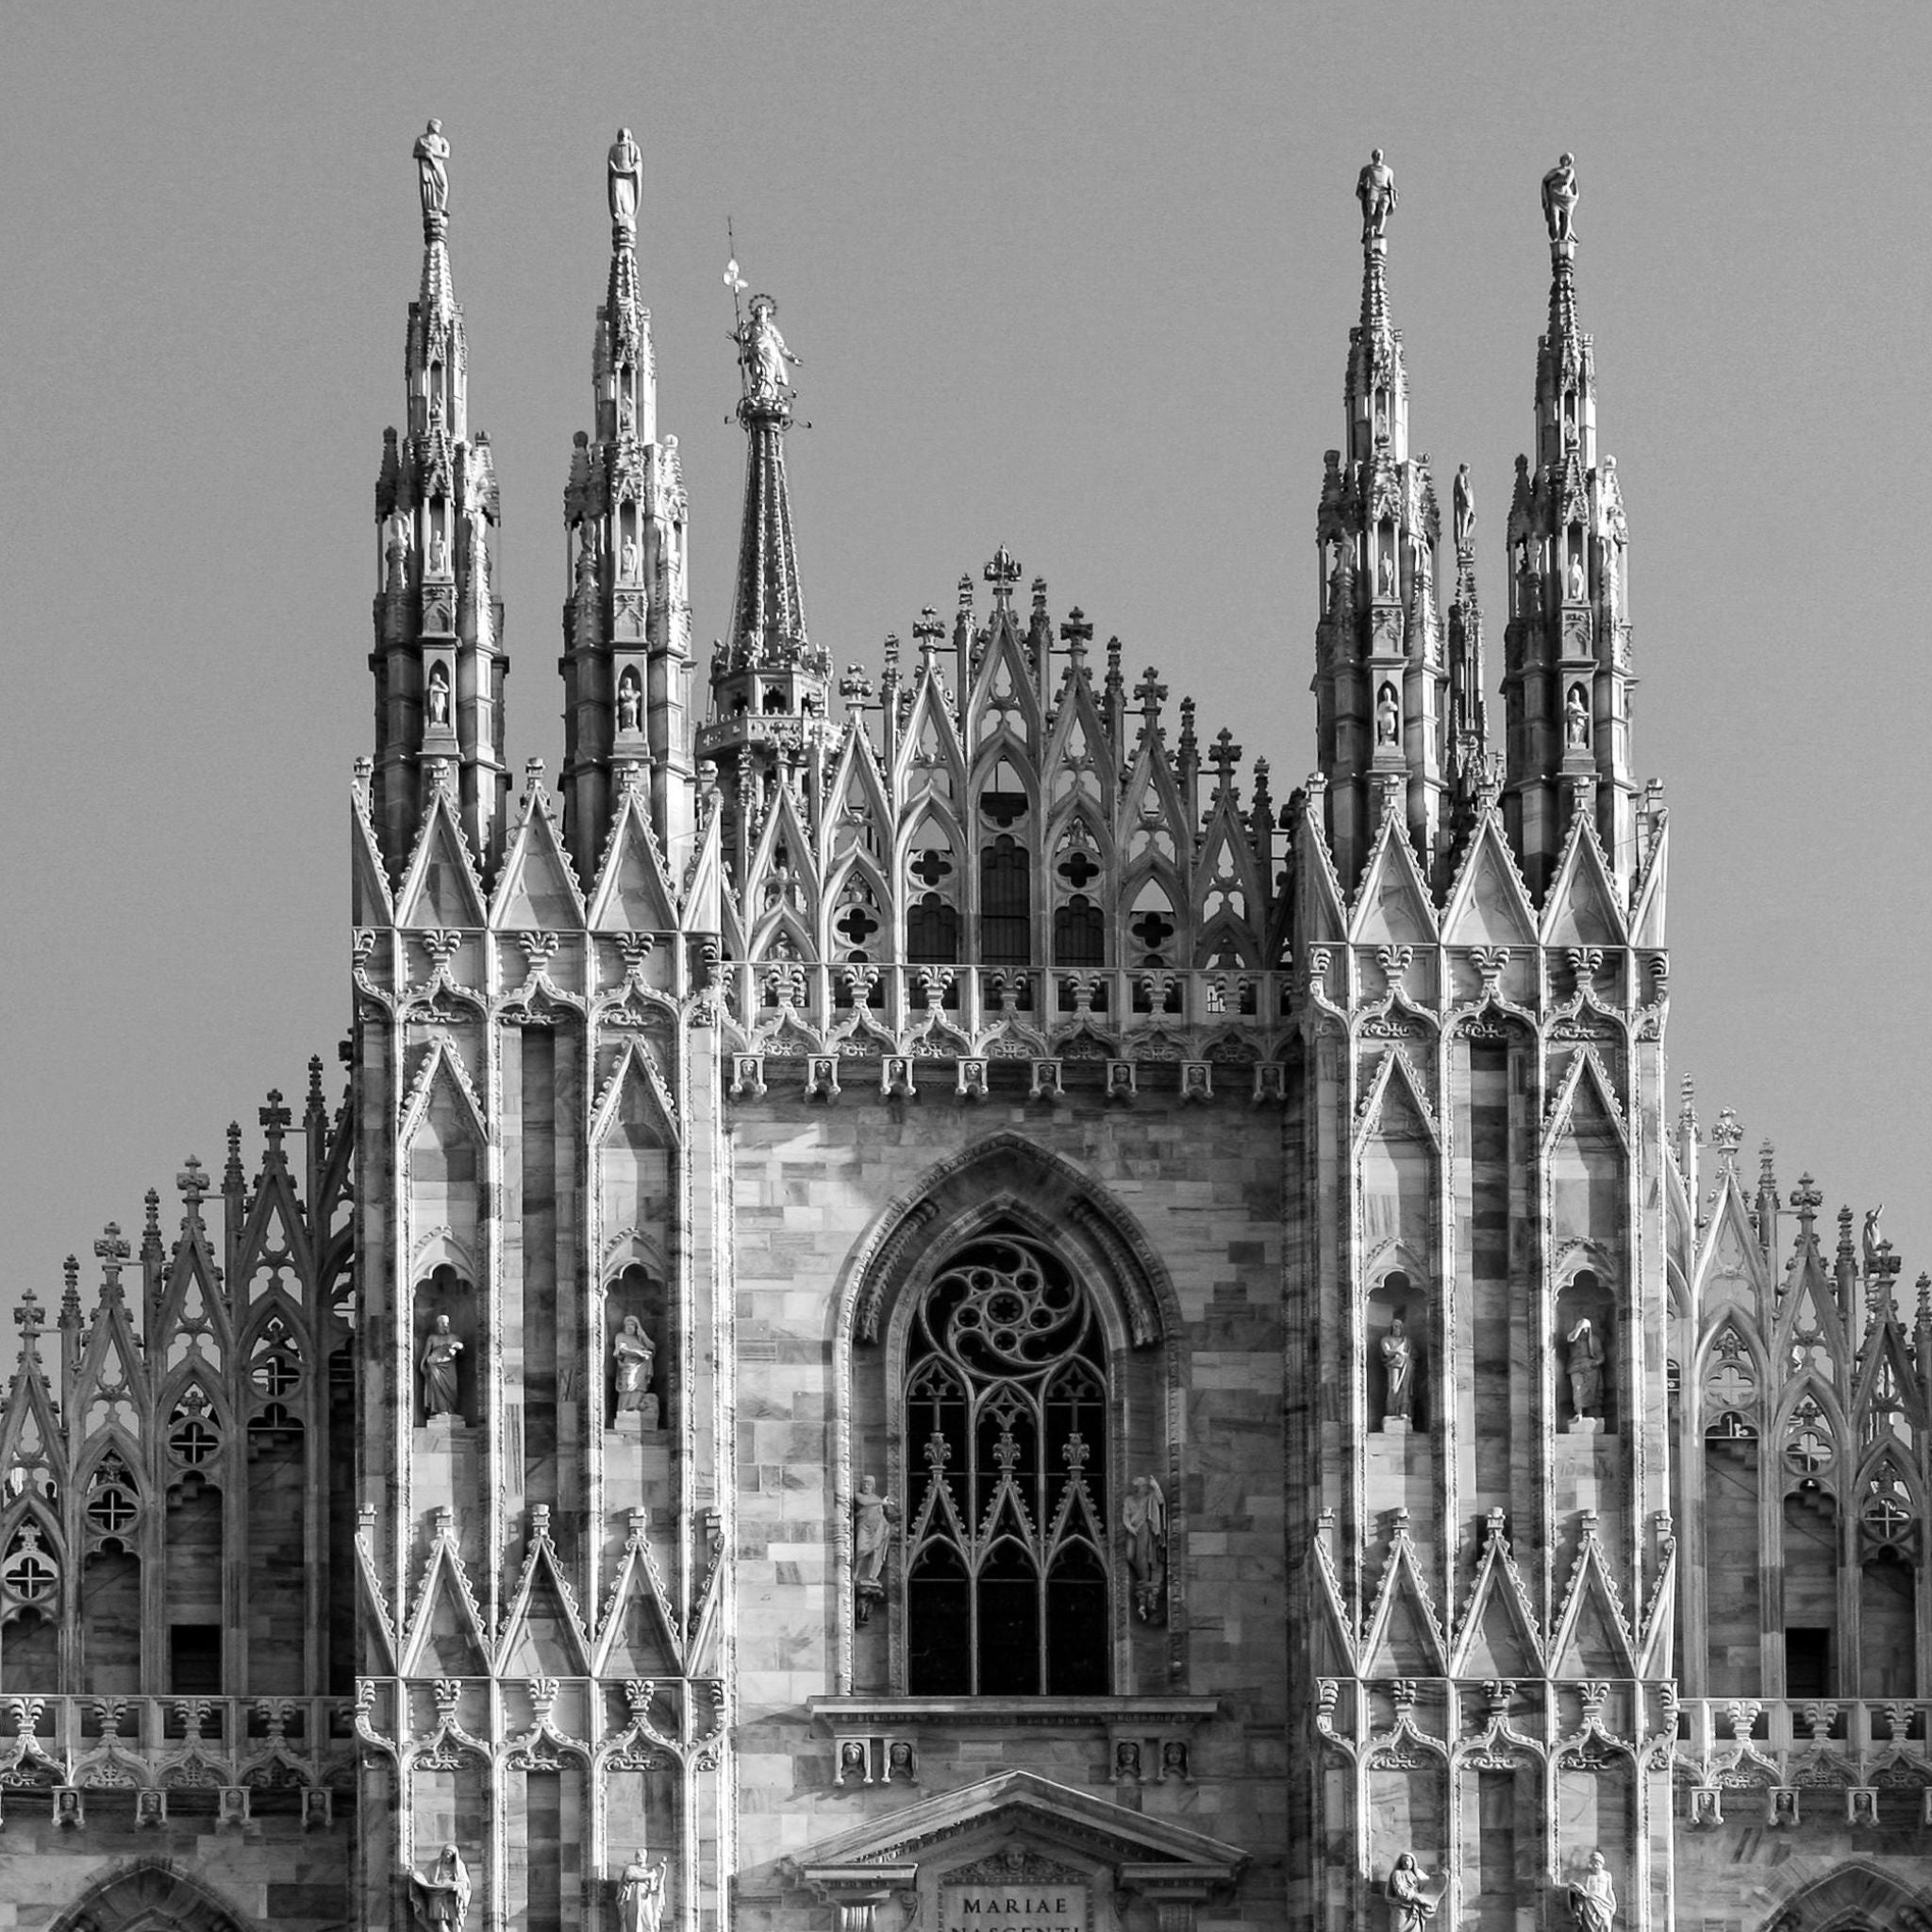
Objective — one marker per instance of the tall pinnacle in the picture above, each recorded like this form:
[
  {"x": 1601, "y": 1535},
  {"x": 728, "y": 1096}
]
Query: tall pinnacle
[{"x": 767, "y": 610}]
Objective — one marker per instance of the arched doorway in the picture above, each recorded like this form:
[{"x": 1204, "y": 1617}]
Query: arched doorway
[{"x": 150, "y": 1895}]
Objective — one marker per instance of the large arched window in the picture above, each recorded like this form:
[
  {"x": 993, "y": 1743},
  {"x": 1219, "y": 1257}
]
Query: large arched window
[{"x": 1006, "y": 1409}]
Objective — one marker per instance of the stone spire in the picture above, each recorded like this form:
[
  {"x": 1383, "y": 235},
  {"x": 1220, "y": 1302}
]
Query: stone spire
[
  {"x": 1567, "y": 683},
  {"x": 1380, "y": 675},
  {"x": 438, "y": 666},
  {"x": 1471, "y": 765},
  {"x": 769, "y": 682},
  {"x": 627, "y": 623}
]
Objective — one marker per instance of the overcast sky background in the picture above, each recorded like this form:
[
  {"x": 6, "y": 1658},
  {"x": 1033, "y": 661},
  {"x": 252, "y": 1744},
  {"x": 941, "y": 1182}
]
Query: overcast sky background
[{"x": 1075, "y": 279}]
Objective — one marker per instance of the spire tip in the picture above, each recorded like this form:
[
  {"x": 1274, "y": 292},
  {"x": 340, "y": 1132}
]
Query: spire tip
[{"x": 432, "y": 180}]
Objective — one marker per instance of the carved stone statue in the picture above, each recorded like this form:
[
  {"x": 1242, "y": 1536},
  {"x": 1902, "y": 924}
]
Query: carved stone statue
[
  {"x": 442, "y": 1897},
  {"x": 630, "y": 705},
  {"x": 432, "y": 171},
  {"x": 626, "y": 180},
  {"x": 1560, "y": 199},
  {"x": 1375, "y": 187},
  {"x": 438, "y": 556},
  {"x": 1143, "y": 1518},
  {"x": 1411, "y": 1907},
  {"x": 1579, "y": 584},
  {"x": 439, "y": 699},
  {"x": 1593, "y": 1898},
  {"x": 874, "y": 1517},
  {"x": 1575, "y": 721},
  {"x": 768, "y": 363},
  {"x": 1127, "y": 1758},
  {"x": 1462, "y": 497},
  {"x": 1872, "y": 1235},
  {"x": 631, "y": 1356},
  {"x": 1398, "y": 1373},
  {"x": 439, "y": 1366},
  {"x": 1388, "y": 717},
  {"x": 1586, "y": 1367},
  {"x": 1385, "y": 580},
  {"x": 640, "y": 1895},
  {"x": 629, "y": 559}
]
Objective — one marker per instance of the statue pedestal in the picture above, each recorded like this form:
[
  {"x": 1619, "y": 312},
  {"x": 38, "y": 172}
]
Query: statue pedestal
[
  {"x": 1395, "y": 1426},
  {"x": 1585, "y": 1425},
  {"x": 637, "y": 1422},
  {"x": 442, "y": 1427}
]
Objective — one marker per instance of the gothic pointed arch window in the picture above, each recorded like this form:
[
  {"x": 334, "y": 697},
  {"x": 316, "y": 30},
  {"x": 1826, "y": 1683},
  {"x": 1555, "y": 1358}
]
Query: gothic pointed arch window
[{"x": 1006, "y": 1407}]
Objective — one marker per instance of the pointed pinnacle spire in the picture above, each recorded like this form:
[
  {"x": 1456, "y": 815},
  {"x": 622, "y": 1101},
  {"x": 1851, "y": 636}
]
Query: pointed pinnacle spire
[{"x": 1375, "y": 384}]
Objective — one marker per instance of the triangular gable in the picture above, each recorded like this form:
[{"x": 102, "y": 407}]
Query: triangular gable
[
  {"x": 1585, "y": 1106},
  {"x": 1647, "y": 910},
  {"x": 1395, "y": 1107},
  {"x": 702, "y": 879},
  {"x": 543, "y": 1633},
  {"x": 1729, "y": 1251},
  {"x": 638, "y": 1635},
  {"x": 1319, "y": 919},
  {"x": 1077, "y": 747},
  {"x": 442, "y": 1087},
  {"x": 1004, "y": 674},
  {"x": 633, "y": 893},
  {"x": 1334, "y": 1625},
  {"x": 930, "y": 755},
  {"x": 1392, "y": 906},
  {"x": 1404, "y": 1636},
  {"x": 1488, "y": 904},
  {"x": 276, "y": 1221},
  {"x": 538, "y": 891},
  {"x": 370, "y": 901},
  {"x": 439, "y": 888},
  {"x": 1498, "y": 1636},
  {"x": 1591, "y": 1640},
  {"x": 1023, "y": 1799},
  {"x": 29, "y": 1420},
  {"x": 446, "y": 1637},
  {"x": 857, "y": 798},
  {"x": 1889, "y": 1358},
  {"x": 633, "y": 1095},
  {"x": 1581, "y": 908}
]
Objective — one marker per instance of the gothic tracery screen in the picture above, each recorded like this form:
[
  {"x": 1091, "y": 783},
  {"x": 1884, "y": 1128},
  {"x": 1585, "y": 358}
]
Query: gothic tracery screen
[{"x": 1006, "y": 1430}]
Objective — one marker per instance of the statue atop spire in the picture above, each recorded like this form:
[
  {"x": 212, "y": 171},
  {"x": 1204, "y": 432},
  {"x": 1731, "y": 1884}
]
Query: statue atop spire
[
  {"x": 432, "y": 170},
  {"x": 626, "y": 186},
  {"x": 1375, "y": 187},
  {"x": 1560, "y": 200},
  {"x": 761, "y": 352}
]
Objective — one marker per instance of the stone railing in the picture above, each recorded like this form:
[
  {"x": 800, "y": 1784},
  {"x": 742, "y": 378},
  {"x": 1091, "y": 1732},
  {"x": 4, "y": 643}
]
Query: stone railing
[{"x": 207, "y": 1741}]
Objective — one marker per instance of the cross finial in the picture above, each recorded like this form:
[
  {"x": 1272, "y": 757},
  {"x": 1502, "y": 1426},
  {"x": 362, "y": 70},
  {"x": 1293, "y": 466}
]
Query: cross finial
[
  {"x": 966, "y": 590},
  {"x": 274, "y": 1117},
  {"x": 29, "y": 1314},
  {"x": 1040, "y": 597},
  {"x": 1002, "y": 572},
  {"x": 192, "y": 1183},
  {"x": 113, "y": 1250},
  {"x": 928, "y": 633},
  {"x": 1151, "y": 695},
  {"x": 1225, "y": 755},
  {"x": 1076, "y": 634}
]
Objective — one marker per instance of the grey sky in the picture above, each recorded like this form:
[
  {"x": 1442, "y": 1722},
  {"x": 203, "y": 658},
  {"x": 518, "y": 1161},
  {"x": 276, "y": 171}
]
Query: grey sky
[{"x": 1076, "y": 280}]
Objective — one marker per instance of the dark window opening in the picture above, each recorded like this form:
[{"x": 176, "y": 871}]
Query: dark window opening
[
  {"x": 1808, "y": 1662},
  {"x": 1080, "y": 938},
  {"x": 1005, "y": 927},
  {"x": 194, "y": 1659},
  {"x": 932, "y": 932}
]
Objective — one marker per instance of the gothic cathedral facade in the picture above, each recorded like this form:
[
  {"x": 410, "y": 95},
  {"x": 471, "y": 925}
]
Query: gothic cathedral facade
[{"x": 925, "y": 1310}]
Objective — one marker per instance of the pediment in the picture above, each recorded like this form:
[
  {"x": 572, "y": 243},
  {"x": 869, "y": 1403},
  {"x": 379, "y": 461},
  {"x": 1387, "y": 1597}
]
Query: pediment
[{"x": 1019, "y": 1822}]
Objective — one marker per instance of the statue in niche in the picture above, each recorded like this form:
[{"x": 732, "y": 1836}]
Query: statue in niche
[
  {"x": 438, "y": 556},
  {"x": 630, "y": 705},
  {"x": 1375, "y": 187},
  {"x": 1143, "y": 1518},
  {"x": 1575, "y": 721},
  {"x": 874, "y": 1517},
  {"x": 1174, "y": 1758},
  {"x": 1398, "y": 1373},
  {"x": 641, "y": 1894},
  {"x": 1388, "y": 717},
  {"x": 1560, "y": 199},
  {"x": 625, "y": 179},
  {"x": 629, "y": 560},
  {"x": 442, "y": 1897},
  {"x": 1411, "y": 1907},
  {"x": 767, "y": 362},
  {"x": 899, "y": 1760},
  {"x": 432, "y": 171},
  {"x": 1385, "y": 579},
  {"x": 852, "y": 1763},
  {"x": 1586, "y": 1368},
  {"x": 1126, "y": 1759},
  {"x": 439, "y": 1366},
  {"x": 1579, "y": 586},
  {"x": 439, "y": 699},
  {"x": 1462, "y": 499},
  {"x": 1593, "y": 1898},
  {"x": 631, "y": 1356}
]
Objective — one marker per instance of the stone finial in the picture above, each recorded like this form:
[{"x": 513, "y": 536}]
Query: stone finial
[
  {"x": 1002, "y": 571},
  {"x": 1560, "y": 200},
  {"x": 1375, "y": 187},
  {"x": 432, "y": 171},
  {"x": 625, "y": 185}
]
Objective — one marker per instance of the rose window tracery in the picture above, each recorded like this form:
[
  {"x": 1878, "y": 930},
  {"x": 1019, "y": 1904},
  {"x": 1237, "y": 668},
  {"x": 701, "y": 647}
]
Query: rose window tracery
[{"x": 1007, "y": 1411}]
